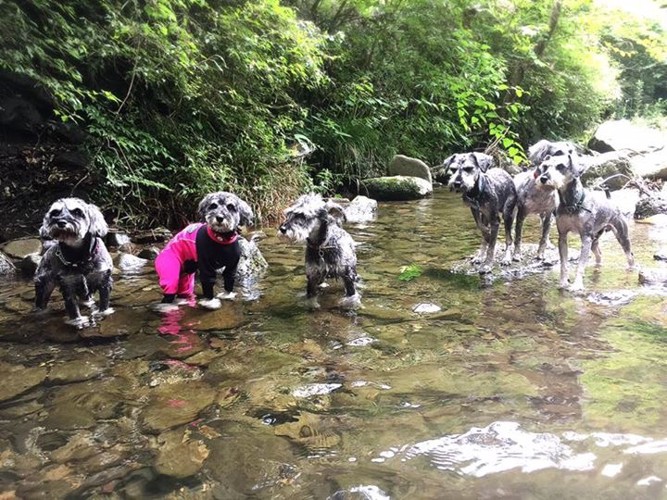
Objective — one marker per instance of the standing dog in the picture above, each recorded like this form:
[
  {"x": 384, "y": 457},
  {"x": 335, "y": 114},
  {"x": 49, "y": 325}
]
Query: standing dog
[
  {"x": 533, "y": 197},
  {"x": 589, "y": 213},
  {"x": 205, "y": 247},
  {"x": 78, "y": 261},
  {"x": 490, "y": 194},
  {"x": 329, "y": 248}
]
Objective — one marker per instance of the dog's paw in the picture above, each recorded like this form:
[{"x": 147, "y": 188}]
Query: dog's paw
[
  {"x": 485, "y": 269},
  {"x": 103, "y": 314},
  {"x": 78, "y": 322},
  {"x": 210, "y": 304},
  {"x": 163, "y": 307},
  {"x": 350, "y": 302},
  {"x": 226, "y": 295}
]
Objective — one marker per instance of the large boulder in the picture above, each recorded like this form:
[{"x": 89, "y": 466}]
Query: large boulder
[
  {"x": 649, "y": 206},
  {"x": 612, "y": 167},
  {"x": 651, "y": 165},
  {"x": 409, "y": 167},
  {"x": 616, "y": 135},
  {"x": 396, "y": 188}
]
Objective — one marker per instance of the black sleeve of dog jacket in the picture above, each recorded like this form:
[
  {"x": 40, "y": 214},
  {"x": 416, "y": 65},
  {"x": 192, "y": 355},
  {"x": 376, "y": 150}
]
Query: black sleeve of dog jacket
[
  {"x": 211, "y": 256},
  {"x": 168, "y": 298}
]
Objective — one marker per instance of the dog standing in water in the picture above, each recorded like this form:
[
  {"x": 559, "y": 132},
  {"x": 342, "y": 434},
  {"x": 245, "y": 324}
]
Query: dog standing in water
[
  {"x": 490, "y": 194},
  {"x": 205, "y": 247},
  {"x": 78, "y": 262},
  {"x": 329, "y": 248}
]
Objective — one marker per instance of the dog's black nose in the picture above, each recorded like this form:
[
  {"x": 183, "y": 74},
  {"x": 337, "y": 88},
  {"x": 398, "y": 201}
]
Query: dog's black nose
[
  {"x": 61, "y": 223},
  {"x": 218, "y": 218},
  {"x": 283, "y": 229},
  {"x": 544, "y": 179}
]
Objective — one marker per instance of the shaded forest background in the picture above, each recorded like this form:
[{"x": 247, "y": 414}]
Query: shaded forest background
[{"x": 143, "y": 106}]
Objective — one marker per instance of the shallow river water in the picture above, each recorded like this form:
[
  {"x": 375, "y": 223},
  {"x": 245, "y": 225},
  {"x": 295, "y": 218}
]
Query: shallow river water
[{"x": 512, "y": 389}]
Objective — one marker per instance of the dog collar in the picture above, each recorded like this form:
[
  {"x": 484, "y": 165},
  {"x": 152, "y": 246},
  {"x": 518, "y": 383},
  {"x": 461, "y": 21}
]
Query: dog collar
[
  {"x": 86, "y": 258},
  {"x": 222, "y": 238},
  {"x": 575, "y": 207}
]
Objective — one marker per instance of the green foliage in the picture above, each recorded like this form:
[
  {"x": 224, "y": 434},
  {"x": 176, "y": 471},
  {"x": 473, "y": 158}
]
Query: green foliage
[
  {"x": 410, "y": 272},
  {"x": 180, "y": 97}
]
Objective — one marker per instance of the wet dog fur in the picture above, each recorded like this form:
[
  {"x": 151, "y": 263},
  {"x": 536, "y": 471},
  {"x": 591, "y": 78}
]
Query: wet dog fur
[
  {"x": 77, "y": 261},
  {"x": 490, "y": 193},
  {"x": 330, "y": 251}
]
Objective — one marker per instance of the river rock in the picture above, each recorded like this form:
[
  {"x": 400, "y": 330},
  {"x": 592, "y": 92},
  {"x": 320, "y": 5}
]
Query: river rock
[
  {"x": 6, "y": 265},
  {"x": 252, "y": 263},
  {"x": 18, "y": 249},
  {"x": 616, "y": 135},
  {"x": 361, "y": 209},
  {"x": 116, "y": 238},
  {"x": 18, "y": 379},
  {"x": 661, "y": 254},
  {"x": 76, "y": 370},
  {"x": 149, "y": 253},
  {"x": 180, "y": 456},
  {"x": 651, "y": 165},
  {"x": 176, "y": 404},
  {"x": 612, "y": 167},
  {"x": 653, "y": 276},
  {"x": 649, "y": 206},
  {"x": 409, "y": 167},
  {"x": 264, "y": 457},
  {"x": 396, "y": 188},
  {"x": 129, "y": 264},
  {"x": 228, "y": 317}
]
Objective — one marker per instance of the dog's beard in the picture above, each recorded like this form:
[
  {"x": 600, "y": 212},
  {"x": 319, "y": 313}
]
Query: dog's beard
[
  {"x": 298, "y": 233},
  {"x": 467, "y": 182},
  {"x": 226, "y": 225},
  {"x": 72, "y": 234}
]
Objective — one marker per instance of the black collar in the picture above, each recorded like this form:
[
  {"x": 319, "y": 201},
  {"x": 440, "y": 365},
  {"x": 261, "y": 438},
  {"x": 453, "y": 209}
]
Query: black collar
[
  {"x": 576, "y": 206},
  {"x": 77, "y": 257}
]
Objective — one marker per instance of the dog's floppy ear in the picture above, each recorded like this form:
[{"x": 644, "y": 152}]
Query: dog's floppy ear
[
  {"x": 483, "y": 161},
  {"x": 201, "y": 209},
  {"x": 98, "y": 226},
  {"x": 447, "y": 164},
  {"x": 336, "y": 212},
  {"x": 245, "y": 212}
]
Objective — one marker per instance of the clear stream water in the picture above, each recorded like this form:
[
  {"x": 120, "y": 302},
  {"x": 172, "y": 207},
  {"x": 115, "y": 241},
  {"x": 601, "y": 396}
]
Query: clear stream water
[{"x": 513, "y": 389}]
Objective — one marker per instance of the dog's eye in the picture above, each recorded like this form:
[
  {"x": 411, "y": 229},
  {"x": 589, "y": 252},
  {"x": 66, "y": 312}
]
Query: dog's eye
[
  {"x": 77, "y": 212},
  {"x": 213, "y": 206},
  {"x": 54, "y": 213},
  {"x": 231, "y": 207},
  {"x": 560, "y": 167},
  {"x": 468, "y": 170}
]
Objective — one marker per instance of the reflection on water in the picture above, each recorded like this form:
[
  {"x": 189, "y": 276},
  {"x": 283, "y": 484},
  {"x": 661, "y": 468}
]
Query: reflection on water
[{"x": 442, "y": 386}]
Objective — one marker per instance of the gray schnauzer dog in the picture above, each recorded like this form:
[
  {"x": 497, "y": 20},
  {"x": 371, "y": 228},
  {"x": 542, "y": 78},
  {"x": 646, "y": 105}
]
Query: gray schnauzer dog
[
  {"x": 533, "y": 197},
  {"x": 330, "y": 249},
  {"x": 205, "y": 247},
  {"x": 490, "y": 194},
  {"x": 589, "y": 213},
  {"x": 78, "y": 261}
]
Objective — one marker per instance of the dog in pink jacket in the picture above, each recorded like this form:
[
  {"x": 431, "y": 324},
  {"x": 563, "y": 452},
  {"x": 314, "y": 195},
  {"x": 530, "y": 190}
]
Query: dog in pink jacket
[{"x": 205, "y": 247}]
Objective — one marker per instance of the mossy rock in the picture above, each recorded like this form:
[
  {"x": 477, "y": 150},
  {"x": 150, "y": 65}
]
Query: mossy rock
[{"x": 396, "y": 188}]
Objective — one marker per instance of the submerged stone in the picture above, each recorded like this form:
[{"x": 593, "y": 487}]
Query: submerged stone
[
  {"x": 179, "y": 456},
  {"x": 176, "y": 404},
  {"x": 17, "y": 379}
]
